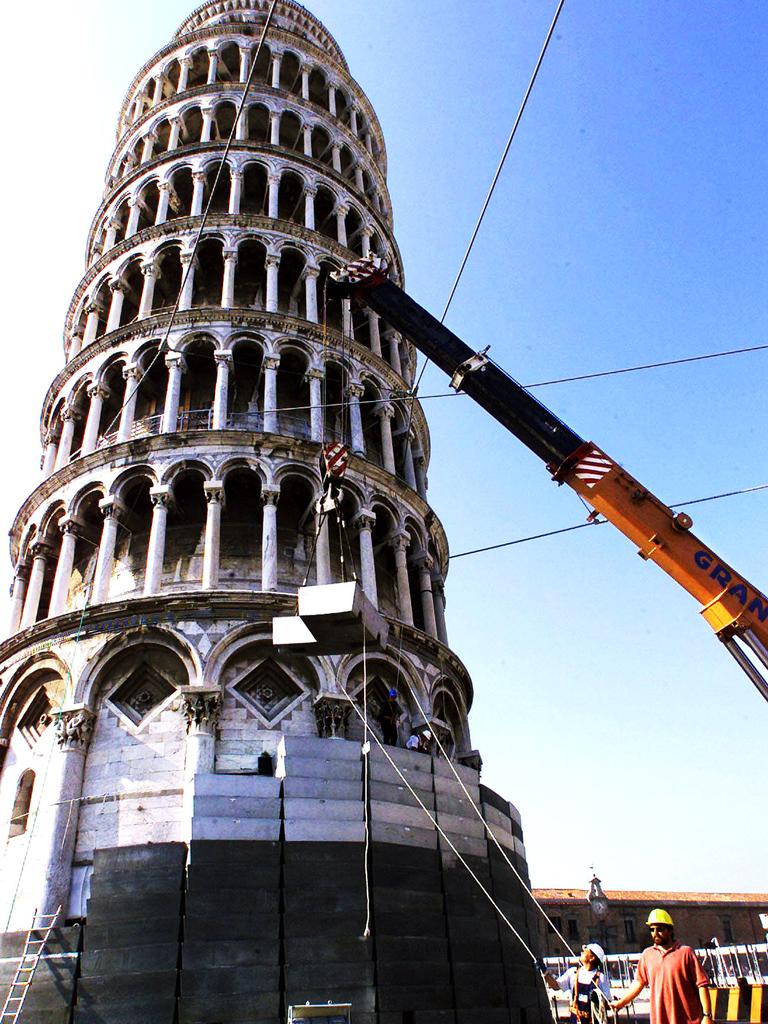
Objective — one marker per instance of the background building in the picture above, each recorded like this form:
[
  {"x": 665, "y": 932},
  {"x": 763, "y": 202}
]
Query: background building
[
  {"x": 616, "y": 918},
  {"x": 190, "y": 794}
]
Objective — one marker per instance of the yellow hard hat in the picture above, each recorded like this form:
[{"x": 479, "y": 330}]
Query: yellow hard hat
[{"x": 659, "y": 916}]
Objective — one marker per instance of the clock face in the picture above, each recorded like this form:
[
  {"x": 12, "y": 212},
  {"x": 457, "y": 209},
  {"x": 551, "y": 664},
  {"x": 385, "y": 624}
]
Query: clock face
[{"x": 599, "y": 907}]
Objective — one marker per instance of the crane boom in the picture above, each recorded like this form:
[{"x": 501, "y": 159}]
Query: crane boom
[{"x": 735, "y": 609}]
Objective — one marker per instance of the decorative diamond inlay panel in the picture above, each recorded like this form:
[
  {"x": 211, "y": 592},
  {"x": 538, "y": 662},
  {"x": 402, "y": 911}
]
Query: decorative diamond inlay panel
[
  {"x": 142, "y": 691},
  {"x": 268, "y": 690}
]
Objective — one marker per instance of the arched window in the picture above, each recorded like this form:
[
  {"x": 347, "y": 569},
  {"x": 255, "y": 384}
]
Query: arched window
[{"x": 21, "y": 804}]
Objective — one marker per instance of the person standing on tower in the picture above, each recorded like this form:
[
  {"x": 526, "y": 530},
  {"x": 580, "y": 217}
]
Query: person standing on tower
[{"x": 677, "y": 982}]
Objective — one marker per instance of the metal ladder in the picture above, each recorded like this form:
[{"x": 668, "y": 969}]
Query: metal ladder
[{"x": 25, "y": 972}]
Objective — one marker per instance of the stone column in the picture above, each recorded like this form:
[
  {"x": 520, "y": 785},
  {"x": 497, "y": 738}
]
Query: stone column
[
  {"x": 105, "y": 560},
  {"x": 360, "y": 186},
  {"x": 309, "y": 208},
  {"x": 385, "y": 414},
  {"x": 241, "y": 130},
  {"x": 201, "y": 708},
  {"x": 305, "y": 71},
  {"x": 91, "y": 324},
  {"x": 97, "y": 393},
  {"x": 213, "y": 66},
  {"x": 157, "y": 94},
  {"x": 341, "y": 212},
  {"x": 269, "y": 499},
  {"x": 148, "y": 148},
  {"x": 332, "y": 100},
  {"x": 307, "y": 139},
  {"x": 365, "y": 520},
  {"x": 394, "y": 353},
  {"x": 409, "y": 472},
  {"x": 373, "y": 332},
  {"x": 336, "y": 157},
  {"x": 133, "y": 217},
  {"x": 322, "y": 550},
  {"x": 315, "y": 378},
  {"x": 75, "y": 344},
  {"x": 131, "y": 376},
  {"x": 420, "y": 468},
  {"x": 366, "y": 235},
  {"x": 175, "y": 133},
  {"x": 235, "y": 191},
  {"x": 148, "y": 291},
  {"x": 271, "y": 420},
  {"x": 207, "y": 127},
  {"x": 111, "y": 235},
  {"x": 355, "y": 392},
  {"x": 19, "y": 592},
  {"x": 311, "y": 275},
  {"x": 346, "y": 318},
  {"x": 228, "y": 283},
  {"x": 272, "y": 263},
  {"x": 163, "y": 200},
  {"x": 274, "y": 129},
  {"x": 198, "y": 192},
  {"x": 214, "y": 495},
  {"x": 40, "y": 552},
  {"x": 175, "y": 363},
  {"x": 64, "y": 565},
  {"x": 245, "y": 63},
  {"x": 57, "y": 826},
  {"x": 115, "y": 306},
  {"x": 188, "y": 280},
  {"x": 277, "y": 59},
  {"x": 438, "y": 592},
  {"x": 161, "y": 497},
  {"x": 49, "y": 457},
  {"x": 223, "y": 362},
  {"x": 400, "y": 547},
  {"x": 273, "y": 200},
  {"x": 332, "y": 713},
  {"x": 68, "y": 419},
  {"x": 353, "y": 120},
  {"x": 424, "y": 564},
  {"x": 185, "y": 65}
]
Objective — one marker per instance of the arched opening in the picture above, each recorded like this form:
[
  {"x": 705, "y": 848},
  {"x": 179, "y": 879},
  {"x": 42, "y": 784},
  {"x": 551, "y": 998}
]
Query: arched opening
[
  {"x": 322, "y": 146},
  {"x": 171, "y": 79},
  {"x": 290, "y": 198},
  {"x": 90, "y": 520},
  {"x": 347, "y": 162},
  {"x": 384, "y": 560},
  {"x": 369, "y": 403},
  {"x": 198, "y": 73},
  {"x": 291, "y": 131},
  {"x": 295, "y": 531},
  {"x": 114, "y": 384},
  {"x": 79, "y": 405},
  {"x": 51, "y": 537},
  {"x": 133, "y": 538},
  {"x": 198, "y": 386},
  {"x": 22, "y": 803},
  {"x": 354, "y": 227},
  {"x": 290, "y": 74},
  {"x": 151, "y": 397},
  {"x": 224, "y": 118},
  {"x": 245, "y": 389},
  {"x": 209, "y": 273},
  {"x": 293, "y": 393},
  {"x": 180, "y": 194},
  {"x": 329, "y": 301},
  {"x": 255, "y": 194},
  {"x": 228, "y": 69},
  {"x": 342, "y": 106},
  {"x": 185, "y": 531},
  {"x": 120, "y": 219},
  {"x": 388, "y": 714},
  {"x": 361, "y": 326},
  {"x": 325, "y": 215},
  {"x": 219, "y": 189},
  {"x": 258, "y": 123},
  {"x": 263, "y": 65},
  {"x": 191, "y": 127},
  {"x": 162, "y": 138},
  {"x": 251, "y": 275},
  {"x": 168, "y": 274},
  {"x": 415, "y": 550},
  {"x": 241, "y": 529},
  {"x": 318, "y": 88},
  {"x": 102, "y": 300},
  {"x": 291, "y": 297},
  {"x": 131, "y": 283},
  {"x": 335, "y": 412}
]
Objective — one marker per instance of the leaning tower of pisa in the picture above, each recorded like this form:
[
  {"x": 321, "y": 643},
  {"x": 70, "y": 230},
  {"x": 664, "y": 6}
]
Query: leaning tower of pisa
[{"x": 192, "y": 797}]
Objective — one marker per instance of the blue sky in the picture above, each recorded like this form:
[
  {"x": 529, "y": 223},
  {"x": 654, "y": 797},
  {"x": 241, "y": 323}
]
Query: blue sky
[{"x": 629, "y": 227}]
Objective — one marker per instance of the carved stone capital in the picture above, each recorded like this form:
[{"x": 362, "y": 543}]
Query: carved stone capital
[
  {"x": 365, "y": 519},
  {"x": 355, "y": 390},
  {"x": 312, "y": 272},
  {"x": 400, "y": 541},
  {"x": 70, "y": 526},
  {"x": 314, "y": 374},
  {"x": 332, "y": 716},
  {"x": 116, "y": 286},
  {"x": 311, "y": 191},
  {"x": 175, "y": 360},
  {"x": 223, "y": 359},
  {"x": 270, "y": 496},
  {"x": 21, "y": 571},
  {"x": 271, "y": 362},
  {"x": 149, "y": 269},
  {"x": 41, "y": 549},
  {"x": 201, "y": 707},
  {"x": 132, "y": 373},
  {"x": 74, "y": 726},
  {"x": 98, "y": 391},
  {"x": 199, "y": 176},
  {"x": 160, "y": 497},
  {"x": 230, "y": 256},
  {"x": 272, "y": 261},
  {"x": 214, "y": 492},
  {"x": 164, "y": 186},
  {"x": 385, "y": 411}
]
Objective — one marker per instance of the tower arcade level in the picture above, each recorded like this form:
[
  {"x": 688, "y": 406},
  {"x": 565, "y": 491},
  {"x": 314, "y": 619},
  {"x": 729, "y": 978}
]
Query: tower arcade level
[{"x": 186, "y": 792}]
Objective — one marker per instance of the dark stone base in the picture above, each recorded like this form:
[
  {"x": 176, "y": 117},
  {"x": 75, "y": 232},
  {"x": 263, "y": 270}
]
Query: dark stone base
[{"x": 250, "y": 928}]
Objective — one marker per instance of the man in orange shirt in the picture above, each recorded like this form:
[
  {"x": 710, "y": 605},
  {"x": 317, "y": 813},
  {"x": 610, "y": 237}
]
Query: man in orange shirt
[{"x": 678, "y": 985}]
